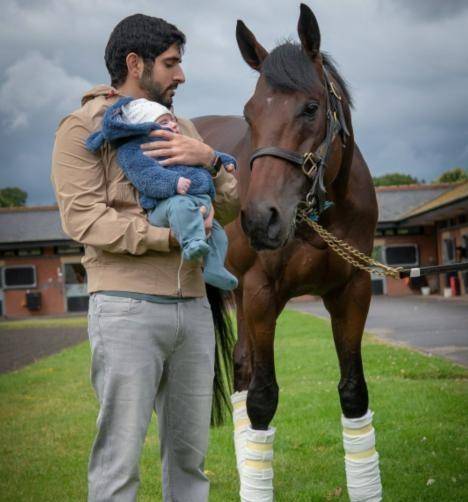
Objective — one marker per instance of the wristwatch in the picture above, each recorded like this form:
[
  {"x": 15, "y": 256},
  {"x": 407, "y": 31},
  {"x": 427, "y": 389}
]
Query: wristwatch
[{"x": 216, "y": 165}]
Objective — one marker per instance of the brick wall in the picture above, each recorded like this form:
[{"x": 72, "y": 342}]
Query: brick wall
[
  {"x": 49, "y": 283},
  {"x": 428, "y": 255}
]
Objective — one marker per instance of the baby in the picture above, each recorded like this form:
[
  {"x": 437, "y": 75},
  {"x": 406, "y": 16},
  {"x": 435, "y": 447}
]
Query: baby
[{"x": 176, "y": 196}]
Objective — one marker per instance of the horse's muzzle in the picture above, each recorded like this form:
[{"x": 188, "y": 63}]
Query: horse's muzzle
[{"x": 264, "y": 227}]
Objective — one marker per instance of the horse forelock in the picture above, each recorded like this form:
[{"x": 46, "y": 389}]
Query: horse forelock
[{"x": 288, "y": 68}]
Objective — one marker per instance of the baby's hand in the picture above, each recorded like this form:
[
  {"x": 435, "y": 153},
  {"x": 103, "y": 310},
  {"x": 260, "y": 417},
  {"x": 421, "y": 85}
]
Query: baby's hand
[
  {"x": 183, "y": 185},
  {"x": 230, "y": 168}
]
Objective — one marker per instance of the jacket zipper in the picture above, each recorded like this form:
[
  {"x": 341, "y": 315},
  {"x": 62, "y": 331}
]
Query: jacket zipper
[{"x": 179, "y": 289}]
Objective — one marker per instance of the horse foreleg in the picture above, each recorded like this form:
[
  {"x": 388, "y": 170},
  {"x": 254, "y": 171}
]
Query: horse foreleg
[
  {"x": 255, "y": 464},
  {"x": 242, "y": 350},
  {"x": 348, "y": 308},
  {"x": 242, "y": 376}
]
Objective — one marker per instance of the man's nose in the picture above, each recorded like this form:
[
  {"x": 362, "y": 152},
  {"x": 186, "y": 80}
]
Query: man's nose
[{"x": 179, "y": 76}]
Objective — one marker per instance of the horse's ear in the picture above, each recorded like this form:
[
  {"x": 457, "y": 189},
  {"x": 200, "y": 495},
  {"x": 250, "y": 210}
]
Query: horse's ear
[
  {"x": 309, "y": 32},
  {"x": 252, "y": 52}
]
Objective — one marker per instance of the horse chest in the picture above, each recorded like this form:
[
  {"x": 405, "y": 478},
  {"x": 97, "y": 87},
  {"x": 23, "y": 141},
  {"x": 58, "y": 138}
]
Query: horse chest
[{"x": 301, "y": 268}]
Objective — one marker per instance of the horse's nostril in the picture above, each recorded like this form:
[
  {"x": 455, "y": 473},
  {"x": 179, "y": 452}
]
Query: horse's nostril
[
  {"x": 274, "y": 224},
  {"x": 273, "y": 215}
]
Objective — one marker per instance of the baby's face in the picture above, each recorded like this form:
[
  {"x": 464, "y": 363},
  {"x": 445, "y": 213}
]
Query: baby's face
[{"x": 169, "y": 122}]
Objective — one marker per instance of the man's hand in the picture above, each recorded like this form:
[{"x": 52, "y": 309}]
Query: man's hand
[
  {"x": 178, "y": 149},
  {"x": 173, "y": 242},
  {"x": 183, "y": 185},
  {"x": 209, "y": 222}
]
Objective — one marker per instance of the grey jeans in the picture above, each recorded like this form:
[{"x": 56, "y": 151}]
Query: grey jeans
[{"x": 150, "y": 356}]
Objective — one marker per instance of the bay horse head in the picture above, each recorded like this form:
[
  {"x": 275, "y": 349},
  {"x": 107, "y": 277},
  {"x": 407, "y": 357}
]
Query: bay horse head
[{"x": 298, "y": 119}]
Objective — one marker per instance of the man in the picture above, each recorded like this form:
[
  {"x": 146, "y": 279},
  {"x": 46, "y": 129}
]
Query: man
[{"x": 150, "y": 324}]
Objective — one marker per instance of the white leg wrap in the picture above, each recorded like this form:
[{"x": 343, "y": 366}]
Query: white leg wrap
[
  {"x": 361, "y": 459},
  {"x": 241, "y": 423},
  {"x": 256, "y": 472}
]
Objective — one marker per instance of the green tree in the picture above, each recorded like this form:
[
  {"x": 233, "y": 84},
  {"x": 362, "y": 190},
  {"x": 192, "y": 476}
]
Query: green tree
[
  {"x": 394, "y": 179},
  {"x": 12, "y": 197},
  {"x": 453, "y": 175}
]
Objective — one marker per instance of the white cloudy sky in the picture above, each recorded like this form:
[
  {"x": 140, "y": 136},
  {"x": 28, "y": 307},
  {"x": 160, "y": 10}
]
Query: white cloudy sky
[{"x": 406, "y": 62}]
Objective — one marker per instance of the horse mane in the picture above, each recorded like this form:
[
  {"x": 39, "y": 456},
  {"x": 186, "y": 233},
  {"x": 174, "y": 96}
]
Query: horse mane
[{"x": 288, "y": 68}]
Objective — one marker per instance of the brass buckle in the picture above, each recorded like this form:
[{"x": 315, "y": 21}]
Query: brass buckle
[
  {"x": 311, "y": 171},
  {"x": 310, "y": 200}
]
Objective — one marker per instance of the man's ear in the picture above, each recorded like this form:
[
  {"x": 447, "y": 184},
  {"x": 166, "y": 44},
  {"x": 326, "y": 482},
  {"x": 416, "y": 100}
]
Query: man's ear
[{"x": 135, "y": 65}]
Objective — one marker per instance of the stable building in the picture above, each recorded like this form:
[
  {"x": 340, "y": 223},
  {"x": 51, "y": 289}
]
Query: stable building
[
  {"x": 419, "y": 225},
  {"x": 40, "y": 267}
]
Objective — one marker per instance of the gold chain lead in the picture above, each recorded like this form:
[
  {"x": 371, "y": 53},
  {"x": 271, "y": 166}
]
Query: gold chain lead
[{"x": 352, "y": 255}]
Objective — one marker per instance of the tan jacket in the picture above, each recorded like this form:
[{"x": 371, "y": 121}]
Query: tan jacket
[{"x": 99, "y": 208}]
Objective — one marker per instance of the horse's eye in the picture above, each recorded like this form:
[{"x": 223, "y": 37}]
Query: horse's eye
[{"x": 309, "y": 110}]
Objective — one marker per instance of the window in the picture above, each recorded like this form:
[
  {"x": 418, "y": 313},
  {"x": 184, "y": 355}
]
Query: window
[
  {"x": 449, "y": 250},
  {"x": 69, "y": 250},
  {"x": 410, "y": 231},
  {"x": 77, "y": 303},
  {"x": 377, "y": 253},
  {"x": 378, "y": 286},
  {"x": 29, "y": 252},
  {"x": 465, "y": 280},
  {"x": 465, "y": 246},
  {"x": 19, "y": 277},
  {"x": 75, "y": 273},
  {"x": 402, "y": 255},
  {"x": 75, "y": 287}
]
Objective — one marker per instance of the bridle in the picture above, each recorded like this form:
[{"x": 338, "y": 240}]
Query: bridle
[{"x": 313, "y": 164}]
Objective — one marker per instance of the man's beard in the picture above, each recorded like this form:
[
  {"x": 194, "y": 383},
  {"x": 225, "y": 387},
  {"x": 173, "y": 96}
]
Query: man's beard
[{"x": 154, "y": 90}]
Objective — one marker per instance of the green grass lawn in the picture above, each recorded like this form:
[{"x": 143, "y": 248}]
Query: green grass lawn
[
  {"x": 48, "y": 414},
  {"x": 44, "y": 322}
]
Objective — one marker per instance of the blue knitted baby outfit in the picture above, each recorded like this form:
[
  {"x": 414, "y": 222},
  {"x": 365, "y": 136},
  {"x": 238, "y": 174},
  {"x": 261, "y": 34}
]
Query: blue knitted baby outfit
[{"x": 153, "y": 181}]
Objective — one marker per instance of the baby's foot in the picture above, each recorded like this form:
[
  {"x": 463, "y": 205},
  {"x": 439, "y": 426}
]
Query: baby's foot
[
  {"x": 195, "y": 249},
  {"x": 220, "y": 278}
]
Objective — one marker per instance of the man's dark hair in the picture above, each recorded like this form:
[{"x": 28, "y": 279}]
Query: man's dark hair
[{"x": 146, "y": 36}]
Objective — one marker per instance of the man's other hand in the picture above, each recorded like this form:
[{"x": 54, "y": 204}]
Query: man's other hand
[
  {"x": 209, "y": 222},
  {"x": 178, "y": 149},
  {"x": 173, "y": 242}
]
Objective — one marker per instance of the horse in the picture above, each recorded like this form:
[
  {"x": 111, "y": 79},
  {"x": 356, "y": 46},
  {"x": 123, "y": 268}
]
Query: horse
[{"x": 296, "y": 155}]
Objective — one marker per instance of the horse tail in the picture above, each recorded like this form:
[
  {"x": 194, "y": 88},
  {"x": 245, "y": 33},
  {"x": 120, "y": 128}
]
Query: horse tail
[{"x": 225, "y": 341}]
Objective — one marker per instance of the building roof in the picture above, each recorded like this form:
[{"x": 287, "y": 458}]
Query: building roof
[
  {"x": 406, "y": 203},
  {"x": 457, "y": 194},
  {"x": 30, "y": 224},
  {"x": 396, "y": 201}
]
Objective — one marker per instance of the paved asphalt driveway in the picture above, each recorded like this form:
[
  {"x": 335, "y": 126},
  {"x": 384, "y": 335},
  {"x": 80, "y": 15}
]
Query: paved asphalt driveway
[
  {"x": 433, "y": 325},
  {"x": 20, "y": 347}
]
